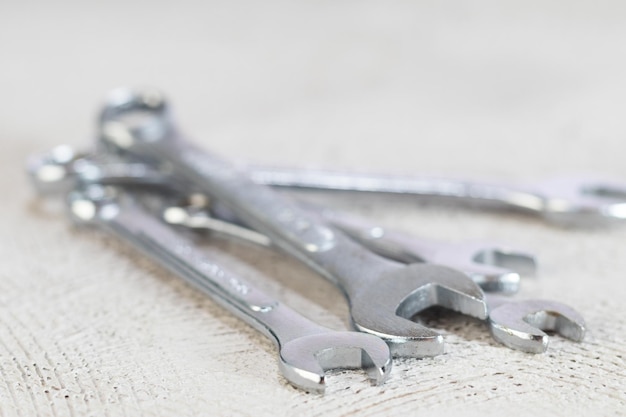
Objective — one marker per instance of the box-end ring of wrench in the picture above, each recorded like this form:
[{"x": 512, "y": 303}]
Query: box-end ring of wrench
[
  {"x": 306, "y": 349},
  {"x": 382, "y": 294},
  {"x": 495, "y": 267}
]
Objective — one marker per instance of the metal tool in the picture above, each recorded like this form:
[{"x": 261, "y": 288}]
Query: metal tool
[
  {"x": 569, "y": 200},
  {"x": 520, "y": 324},
  {"x": 516, "y": 324},
  {"x": 306, "y": 349},
  {"x": 62, "y": 169},
  {"x": 383, "y": 294},
  {"x": 495, "y": 267}
]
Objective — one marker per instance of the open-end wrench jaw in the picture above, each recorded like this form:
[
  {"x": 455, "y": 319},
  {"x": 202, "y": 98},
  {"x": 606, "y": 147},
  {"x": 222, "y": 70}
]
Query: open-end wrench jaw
[
  {"x": 386, "y": 306},
  {"x": 304, "y": 360},
  {"x": 583, "y": 199},
  {"x": 520, "y": 325},
  {"x": 496, "y": 268}
]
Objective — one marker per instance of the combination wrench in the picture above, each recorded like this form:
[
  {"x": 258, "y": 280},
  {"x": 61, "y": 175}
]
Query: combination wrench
[
  {"x": 382, "y": 294},
  {"x": 494, "y": 266},
  {"x": 306, "y": 349},
  {"x": 582, "y": 200},
  {"x": 574, "y": 200},
  {"x": 517, "y": 324}
]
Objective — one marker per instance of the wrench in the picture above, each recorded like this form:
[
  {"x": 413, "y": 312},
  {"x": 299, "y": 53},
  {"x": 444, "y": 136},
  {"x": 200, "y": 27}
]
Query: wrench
[
  {"x": 306, "y": 349},
  {"x": 569, "y": 200},
  {"x": 382, "y": 294},
  {"x": 493, "y": 266},
  {"x": 516, "y": 324},
  {"x": 485, "y": 262},
  {"x": 520, "y": 324}
]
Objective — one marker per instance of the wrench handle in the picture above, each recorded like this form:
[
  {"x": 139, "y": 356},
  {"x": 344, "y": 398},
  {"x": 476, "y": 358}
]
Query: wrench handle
[
  {"x": 181, "y": 256},
  {"x": 506, "y": 195},
  {"x": 295, "y": 230},
  {"x": 391, "y": 244}
]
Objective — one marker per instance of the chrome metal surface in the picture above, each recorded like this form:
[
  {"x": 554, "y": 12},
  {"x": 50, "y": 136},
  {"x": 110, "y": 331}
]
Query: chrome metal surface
[
  {"x": 569, "y": 200},
  {"x": 61, "y": 169},
  {"x": 517, "y": 324},
  {"x": 521, "y": 324},
  {"x": 495, "y": 267},
  {"x": 582, "y": 200},
  {"x": 383, "y": 294},
  {"x": 306, "y": 350}
]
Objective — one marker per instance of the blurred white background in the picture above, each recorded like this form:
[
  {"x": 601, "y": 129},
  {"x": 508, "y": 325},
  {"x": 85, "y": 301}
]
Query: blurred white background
[{"x": 394, "y": 84}]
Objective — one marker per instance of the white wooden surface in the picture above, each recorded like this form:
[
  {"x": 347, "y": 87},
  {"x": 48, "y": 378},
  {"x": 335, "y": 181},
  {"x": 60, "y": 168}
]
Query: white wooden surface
[{"x": 516, "y": 91}]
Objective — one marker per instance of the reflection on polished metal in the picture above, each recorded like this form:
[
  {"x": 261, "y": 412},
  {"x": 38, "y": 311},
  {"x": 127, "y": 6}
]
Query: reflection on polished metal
[
  {"x": 570, "y": 200},
  {"x": 306, "y": 349},
  {"x": 495, "y": 267},
  {"x": 383, "y": 294},
  {"x": 520, "y": 324},
  {"x": 62, "y": 169},
  {"x": 516, "y": 324}
]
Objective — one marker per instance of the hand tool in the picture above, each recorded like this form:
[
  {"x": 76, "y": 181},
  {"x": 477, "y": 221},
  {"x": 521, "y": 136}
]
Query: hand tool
[
  {"x": 61, "y": 169},
  {"x": 382, "y": 294},
  {"x": 575, "y": 200},
  {"x": 516, "y": 324},
  {"x": 519, "y": 324},
  {"x": 568, "y": 200},
  {"x": 495, "y": 267},
  {"x": 306, "y": 349}
]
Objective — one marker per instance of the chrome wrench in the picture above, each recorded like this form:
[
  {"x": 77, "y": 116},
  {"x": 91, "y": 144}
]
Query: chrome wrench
[
  {"x": 517, "y": 324},
  {"x": 520, "y": 324},
  {"x": 383, "y": 294},
  {"x": 569, "y": 200},
  {"x": 306, "y": 349},
  {"x": 495, "y": 267}
]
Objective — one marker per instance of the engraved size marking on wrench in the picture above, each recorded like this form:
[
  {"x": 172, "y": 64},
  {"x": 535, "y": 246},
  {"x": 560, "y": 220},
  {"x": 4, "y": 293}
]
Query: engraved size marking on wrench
[{"x": 182, "y": 248}]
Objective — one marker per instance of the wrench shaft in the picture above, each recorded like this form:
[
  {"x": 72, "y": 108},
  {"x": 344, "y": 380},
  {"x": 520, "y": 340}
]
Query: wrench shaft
[{"x": 180, "y": 255}]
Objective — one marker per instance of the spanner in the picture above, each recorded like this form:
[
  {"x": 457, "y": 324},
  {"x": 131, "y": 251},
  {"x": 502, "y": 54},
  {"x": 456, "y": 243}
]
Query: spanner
[
  {"x": 568, "y": 200},
  {"x": 516, "y": 324},
  {"x": 520, "y": 324},
  {"x": 306, "y": 349},
  {"x": 382, "y": 293},
  {"x": 495, "y": 267}
]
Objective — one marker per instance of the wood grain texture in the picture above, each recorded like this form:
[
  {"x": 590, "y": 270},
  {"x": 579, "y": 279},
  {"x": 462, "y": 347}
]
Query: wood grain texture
[{"x": 525, "y": 91}]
